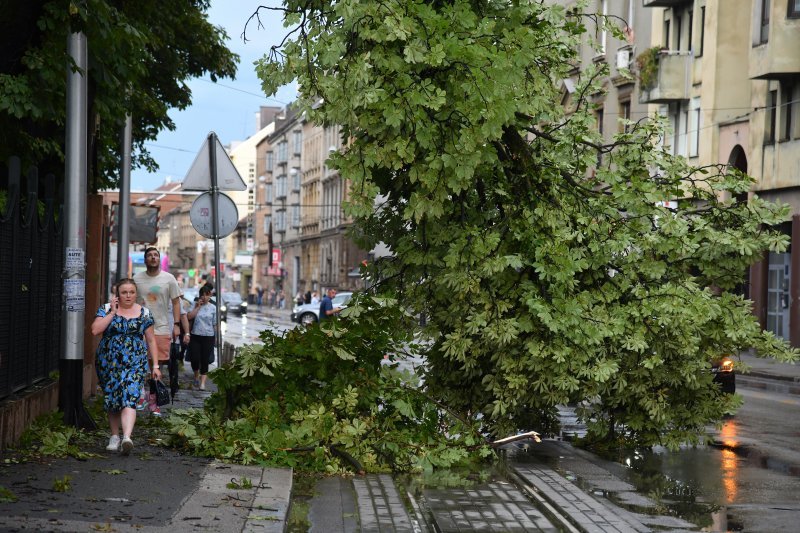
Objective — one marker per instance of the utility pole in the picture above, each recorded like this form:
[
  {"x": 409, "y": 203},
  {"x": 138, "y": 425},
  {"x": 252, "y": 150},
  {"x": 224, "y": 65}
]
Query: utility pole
[
  {"x": 124, "y": 208},
  {"x": 212, "y": 161},
  {"x": 74, "y": 273}
]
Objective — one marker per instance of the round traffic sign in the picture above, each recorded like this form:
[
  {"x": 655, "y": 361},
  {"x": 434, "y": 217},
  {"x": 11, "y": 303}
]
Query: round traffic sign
[{"x": 200, "y": 215}]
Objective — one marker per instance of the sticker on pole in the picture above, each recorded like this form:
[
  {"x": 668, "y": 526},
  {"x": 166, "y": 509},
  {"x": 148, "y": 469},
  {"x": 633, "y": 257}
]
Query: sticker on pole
[
  {"x": 74, "y": 293},
  {"x": 74, "y": 259},
  {"x": 200, "y": 216}
]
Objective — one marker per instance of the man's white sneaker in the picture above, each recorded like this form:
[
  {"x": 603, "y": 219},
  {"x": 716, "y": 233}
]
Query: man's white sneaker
[
  {"x": 127, "y": 446},
  {"x": 113, "y": 443}
]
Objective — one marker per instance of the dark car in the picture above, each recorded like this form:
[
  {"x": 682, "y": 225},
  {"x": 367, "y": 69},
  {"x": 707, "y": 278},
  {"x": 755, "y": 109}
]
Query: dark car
[
  {"x": 724, "y": 374},
  {"x": 234, "y": 303}
]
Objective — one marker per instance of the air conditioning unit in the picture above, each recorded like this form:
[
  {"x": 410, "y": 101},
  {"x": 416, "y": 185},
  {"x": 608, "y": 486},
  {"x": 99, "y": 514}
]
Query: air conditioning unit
[{"x": 624, "y": 58}]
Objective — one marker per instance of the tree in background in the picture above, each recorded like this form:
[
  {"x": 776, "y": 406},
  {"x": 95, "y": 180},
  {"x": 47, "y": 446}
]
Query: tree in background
[
  {"x": 548, "y": 265},
  {"x": 140, "y": 55}
]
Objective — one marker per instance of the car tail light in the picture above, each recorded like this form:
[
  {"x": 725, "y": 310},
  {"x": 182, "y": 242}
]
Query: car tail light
[{"x": 726, "y": 365}]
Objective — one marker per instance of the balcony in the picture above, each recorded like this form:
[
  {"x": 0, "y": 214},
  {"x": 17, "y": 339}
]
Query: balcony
[
  {"x": 667, "y": 79},
  {"x": 664, "y": 3},
  {"x": 776, "y": 57}
]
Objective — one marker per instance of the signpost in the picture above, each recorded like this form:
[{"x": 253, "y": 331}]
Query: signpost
[{"x": 212, "y": 171}]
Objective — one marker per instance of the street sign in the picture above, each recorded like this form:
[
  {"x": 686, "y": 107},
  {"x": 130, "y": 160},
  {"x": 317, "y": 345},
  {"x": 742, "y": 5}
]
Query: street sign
[
  {"x": 200, "y": 215},
  {"x": 199, "y": 176}
]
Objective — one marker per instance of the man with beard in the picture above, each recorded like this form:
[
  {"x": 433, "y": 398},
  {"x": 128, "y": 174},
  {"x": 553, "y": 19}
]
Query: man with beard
[{"x": 160, "y": 293}]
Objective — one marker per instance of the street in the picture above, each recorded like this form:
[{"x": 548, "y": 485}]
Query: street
[{"x": 749, "y": 480}]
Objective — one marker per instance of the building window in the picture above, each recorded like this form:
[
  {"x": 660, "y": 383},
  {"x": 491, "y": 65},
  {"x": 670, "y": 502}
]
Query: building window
[
  {"x": 694, "y": 128},
  {"x": 283, "y": 152},
  {"x": 267, "y": 222},
  {"x": 680, "y": 119},
  {"x": 295, "y": 216},
  {"x": 689, "y": 43},
  {"x": 295, "y": 179},
  {"x": 297, "y": 142},
  {"x": 702, "y": 31},
  {"x": 268, "y": 193},
  {"x": 666, "y": 34},
  {"x": 790, "y": 93},
  {"x": 771, "y": 114},
  {"x": 270, "y": 161},
  {"x": 678, "y": 31},
  {"x": 765, "y": 8},
  {"x": 624, "y": 115},
  {"x": 794, "y": 9}
]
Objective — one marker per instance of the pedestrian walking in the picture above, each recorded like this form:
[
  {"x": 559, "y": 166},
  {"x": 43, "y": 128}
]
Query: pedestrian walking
[
  {"x": 121, "y": 361},
  {"x": 159, "y": 292},
  {"x": 281, "y": 299},
  {"x": 259, "y": 297},
  {"x": 314, "y": 298},
  {"x": 299, "y": 299},
  {"x": 204, "y": 330},
  {"x": 326, "y": 308}
]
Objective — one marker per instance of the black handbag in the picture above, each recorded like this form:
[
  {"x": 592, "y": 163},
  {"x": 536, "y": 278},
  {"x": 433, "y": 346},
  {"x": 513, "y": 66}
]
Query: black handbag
[{"x": 161, "y": 391}]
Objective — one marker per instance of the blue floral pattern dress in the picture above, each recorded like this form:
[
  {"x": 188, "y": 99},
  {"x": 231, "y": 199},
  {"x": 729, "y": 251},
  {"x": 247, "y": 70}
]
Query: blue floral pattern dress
[{"x": 121, "y": 361}]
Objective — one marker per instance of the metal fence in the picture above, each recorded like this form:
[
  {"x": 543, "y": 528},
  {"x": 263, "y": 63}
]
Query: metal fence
[{"x": 31, "y": 259}]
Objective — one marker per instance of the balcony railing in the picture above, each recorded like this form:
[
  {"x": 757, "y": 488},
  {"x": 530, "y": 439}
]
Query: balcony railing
[{"x": 670, "y": 81}]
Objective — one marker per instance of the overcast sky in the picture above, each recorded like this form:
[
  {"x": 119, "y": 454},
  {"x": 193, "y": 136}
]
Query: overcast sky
[{"x": 228, "y": 107}]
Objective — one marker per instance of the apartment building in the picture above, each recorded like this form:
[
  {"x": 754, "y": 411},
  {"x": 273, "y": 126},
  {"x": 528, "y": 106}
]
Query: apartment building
[
  {"x": 618, "y": 100},
  {"x": 728, "y": 77},
  {"x": 773, "y": 154},
  {"x": 315, "y": 153}
]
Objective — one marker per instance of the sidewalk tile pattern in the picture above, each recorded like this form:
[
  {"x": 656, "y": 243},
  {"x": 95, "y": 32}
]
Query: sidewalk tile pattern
[
  {"x": 496, "y": 506},
  {"x": 380, "y": 509},
  {"x": 588, "y": 513},
  {"x": 333, "y": 507}
]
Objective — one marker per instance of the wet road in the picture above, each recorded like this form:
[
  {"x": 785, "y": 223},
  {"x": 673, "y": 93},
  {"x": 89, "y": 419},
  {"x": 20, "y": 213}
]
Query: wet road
[{"x": 749, "y": 480}]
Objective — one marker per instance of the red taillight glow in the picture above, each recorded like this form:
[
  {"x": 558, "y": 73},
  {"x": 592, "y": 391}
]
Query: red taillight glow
[{"x": 726, "y": 365}]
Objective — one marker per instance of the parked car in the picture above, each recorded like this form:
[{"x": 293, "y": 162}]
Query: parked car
[
  {"x": 234, "y": 303},
  {"x": 724, "y": 374},
  {"x": 191, "y": 295},
  {"x": 307, "y": 314}
]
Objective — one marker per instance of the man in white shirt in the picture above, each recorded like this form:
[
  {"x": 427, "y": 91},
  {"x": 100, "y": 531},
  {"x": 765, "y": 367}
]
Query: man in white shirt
[{"x": 160, "y": 293}]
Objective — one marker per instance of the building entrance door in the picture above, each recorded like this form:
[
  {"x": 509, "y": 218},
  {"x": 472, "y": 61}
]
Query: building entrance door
[{"x": 778, "y": 294}]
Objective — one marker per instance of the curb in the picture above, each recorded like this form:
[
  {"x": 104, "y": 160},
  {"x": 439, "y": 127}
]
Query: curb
[{"x": 770, "y": 382}]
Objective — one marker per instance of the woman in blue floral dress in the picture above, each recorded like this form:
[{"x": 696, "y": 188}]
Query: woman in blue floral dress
[{"x": 121, "y": 361}]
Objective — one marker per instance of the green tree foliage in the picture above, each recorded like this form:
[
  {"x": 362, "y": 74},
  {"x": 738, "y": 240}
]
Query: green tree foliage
[
  {"x": 324, "y": 398},
  {"x": 546, "y": 261},
  {"x": 140, "y": 56}
]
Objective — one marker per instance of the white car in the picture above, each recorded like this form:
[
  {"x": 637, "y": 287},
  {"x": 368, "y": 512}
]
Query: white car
[{"x": 307, "y": 314}]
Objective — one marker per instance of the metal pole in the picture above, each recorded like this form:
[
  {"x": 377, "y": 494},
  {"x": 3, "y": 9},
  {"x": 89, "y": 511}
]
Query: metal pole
[
  {"x": 74, "y": 273},
  {"x": 123, "y": 211},
  {"x": 212, "y": 162}
]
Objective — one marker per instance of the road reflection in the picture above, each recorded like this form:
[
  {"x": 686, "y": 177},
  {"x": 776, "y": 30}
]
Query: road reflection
[{"x": 730, "y": 462}]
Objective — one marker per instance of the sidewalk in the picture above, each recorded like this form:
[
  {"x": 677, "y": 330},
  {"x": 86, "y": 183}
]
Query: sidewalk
[{"x": 768, "y": 374}]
